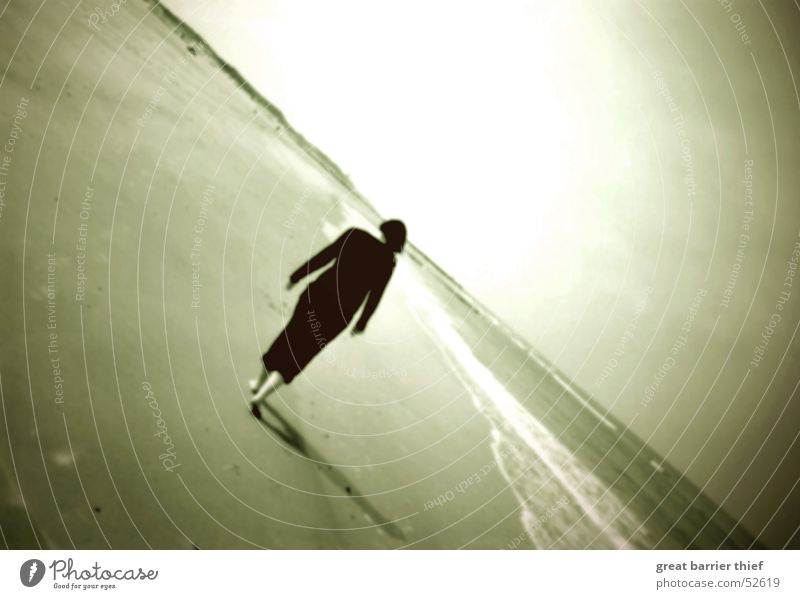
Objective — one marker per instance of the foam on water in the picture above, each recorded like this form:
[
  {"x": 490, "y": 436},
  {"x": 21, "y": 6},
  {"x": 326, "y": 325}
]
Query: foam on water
[{"x": 561, "y": 503}]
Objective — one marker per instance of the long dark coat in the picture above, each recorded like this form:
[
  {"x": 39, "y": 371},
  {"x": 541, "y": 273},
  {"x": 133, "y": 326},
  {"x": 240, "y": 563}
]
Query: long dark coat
[{"x": 361, "y": 270}]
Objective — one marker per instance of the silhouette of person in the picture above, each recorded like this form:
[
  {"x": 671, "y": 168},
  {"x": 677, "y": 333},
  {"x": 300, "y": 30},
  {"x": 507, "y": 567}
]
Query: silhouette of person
[{"x": 361, "y": 269}]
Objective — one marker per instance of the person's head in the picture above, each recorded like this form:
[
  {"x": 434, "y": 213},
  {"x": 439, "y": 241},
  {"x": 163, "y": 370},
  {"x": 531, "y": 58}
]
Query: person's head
[{"x": 394, "y": 233}]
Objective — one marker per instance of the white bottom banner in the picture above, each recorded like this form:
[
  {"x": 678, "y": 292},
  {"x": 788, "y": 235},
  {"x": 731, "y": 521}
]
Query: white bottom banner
[{"x": 353, "y": 574}]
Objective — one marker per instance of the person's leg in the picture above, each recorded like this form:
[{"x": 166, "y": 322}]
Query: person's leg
[
  {"x": 273, "y": 381},
  {"x": 270, "y": 384},
  {"x": 255, "y": 384}
]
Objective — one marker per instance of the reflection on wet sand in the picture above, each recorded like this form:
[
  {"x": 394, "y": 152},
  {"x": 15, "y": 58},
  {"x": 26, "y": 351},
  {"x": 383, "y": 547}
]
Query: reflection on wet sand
[{"x": 291, "y": 436}]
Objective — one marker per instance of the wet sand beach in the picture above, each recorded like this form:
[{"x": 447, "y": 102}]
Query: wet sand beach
[{"x": 153, "y": 208}]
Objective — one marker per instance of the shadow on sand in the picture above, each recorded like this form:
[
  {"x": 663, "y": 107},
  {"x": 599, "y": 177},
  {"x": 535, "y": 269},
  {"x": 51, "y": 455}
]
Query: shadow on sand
[{"x": 289, "y": 435}]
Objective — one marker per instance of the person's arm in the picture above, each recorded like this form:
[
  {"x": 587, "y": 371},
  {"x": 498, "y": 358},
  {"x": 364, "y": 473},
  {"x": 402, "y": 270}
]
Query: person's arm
[
  {"x": 373, "y": 299},
  {"x": 321, "y": 259}
]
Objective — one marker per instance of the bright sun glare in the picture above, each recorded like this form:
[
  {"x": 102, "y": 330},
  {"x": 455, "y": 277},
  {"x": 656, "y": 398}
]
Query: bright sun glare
[{"x": 465, "y": 129}]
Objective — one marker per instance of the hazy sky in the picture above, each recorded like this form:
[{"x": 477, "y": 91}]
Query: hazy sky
[{"x": 583, "y": 172}]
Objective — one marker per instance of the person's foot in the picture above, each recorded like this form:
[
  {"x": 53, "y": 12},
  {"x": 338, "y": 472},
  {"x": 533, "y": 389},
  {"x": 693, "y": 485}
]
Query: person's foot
[
  {"x": 253, "y": 383},
  {"x": 255, "y": 410}
]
